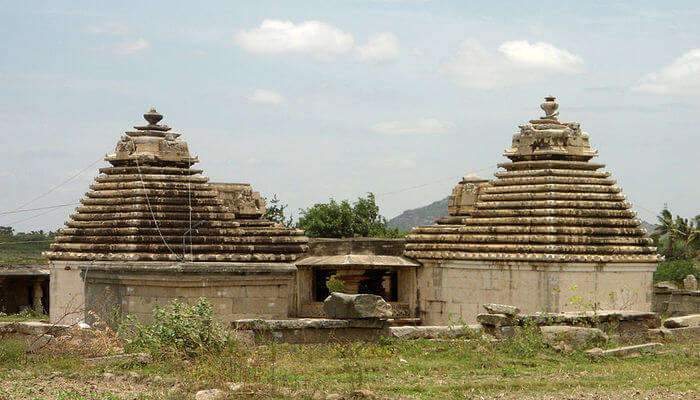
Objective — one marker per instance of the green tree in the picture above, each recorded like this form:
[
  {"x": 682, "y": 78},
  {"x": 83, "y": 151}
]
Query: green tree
[
  {"x": 677, "y": 238},
  {"x": 275, "y": 210},
  {"x": 343, "y": 220}
]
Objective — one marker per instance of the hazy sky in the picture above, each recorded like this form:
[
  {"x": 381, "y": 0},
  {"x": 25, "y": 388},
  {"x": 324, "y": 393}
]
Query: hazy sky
[{"x": 312, "y": 99}]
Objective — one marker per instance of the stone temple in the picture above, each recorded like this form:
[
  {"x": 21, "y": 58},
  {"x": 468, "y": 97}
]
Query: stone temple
[
  {"x": 152, "y": 229},
  {"x": 551, "y": 233}
]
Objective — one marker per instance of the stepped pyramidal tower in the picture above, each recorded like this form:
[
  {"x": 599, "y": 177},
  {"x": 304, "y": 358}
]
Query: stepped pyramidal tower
[
  {"x": 152, "y": 228},
  {"x": 551, "y": 233}
]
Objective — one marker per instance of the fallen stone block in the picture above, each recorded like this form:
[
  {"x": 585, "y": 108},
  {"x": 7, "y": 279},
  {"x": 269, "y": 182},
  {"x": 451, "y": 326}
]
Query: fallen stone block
[
  {"x": 510, "y": 311},
  {"x": 40, "y": 328},
  {"x": 572, "y": 335},
  {"x": 356, "y": 306},
  {"x": 682, "y": 322},
  {"x": 690, "y": 332},
  {"x": 666, "y": 285},
  {"x": 495, "y": 320},
  {"x": 622, "y": 351},
  {"x": 432, "y": 332}
]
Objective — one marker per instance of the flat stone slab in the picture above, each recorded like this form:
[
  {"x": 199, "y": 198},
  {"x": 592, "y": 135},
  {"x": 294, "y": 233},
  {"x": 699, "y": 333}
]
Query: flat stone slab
[
  {"x": 34, "y": 328},
  {"x": 651, "y": 319},
  {"x": 495, "y": 320},
  {"x": 682, "y": 322},
  {"x": 622, "y": 351},
  {"x": 502, "y": 309},
  {"x": 433, "y": 332},
  {"x": 691, "y": 332},
  {"x": 573, "y": 335},
  {"x": 300, "y": 323}
]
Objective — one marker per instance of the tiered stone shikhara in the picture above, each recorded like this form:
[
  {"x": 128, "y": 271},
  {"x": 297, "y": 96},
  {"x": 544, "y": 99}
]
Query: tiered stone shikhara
[
  {"x": 149, "y": 201},
  {"x": 550, "y": 205}
]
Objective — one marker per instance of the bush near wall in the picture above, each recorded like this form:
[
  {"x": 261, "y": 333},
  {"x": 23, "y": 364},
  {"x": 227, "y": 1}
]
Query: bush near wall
[{"x": 676, "y": 271}]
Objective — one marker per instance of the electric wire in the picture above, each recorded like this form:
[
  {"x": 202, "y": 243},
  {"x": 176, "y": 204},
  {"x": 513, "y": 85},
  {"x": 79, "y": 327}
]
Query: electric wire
[
  {"x": 434, "y": 182},
  {"x": 148, "y": 202},
  {"x": 38, "y": 208},
  {"x": 57, "y": 186}
]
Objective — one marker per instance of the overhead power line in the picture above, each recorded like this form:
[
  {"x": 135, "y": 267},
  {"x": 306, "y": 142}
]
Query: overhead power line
[
  {"x": 56, "y": 187},
  {"x": 39, "y": 208},
  {"x": 452, "y": 178}
]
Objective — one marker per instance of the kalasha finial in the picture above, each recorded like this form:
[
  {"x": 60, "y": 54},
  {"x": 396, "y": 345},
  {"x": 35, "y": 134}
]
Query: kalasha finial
[
  {"x": 550, "y": 107},
  {"x": 153, "y": 117}
]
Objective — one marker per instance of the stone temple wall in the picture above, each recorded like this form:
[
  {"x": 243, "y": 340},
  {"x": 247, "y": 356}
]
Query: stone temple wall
[
  {"x": 235, "y": 293},
  {"x": 454, "y": 292},
  {"x": 676, "y": 302}
]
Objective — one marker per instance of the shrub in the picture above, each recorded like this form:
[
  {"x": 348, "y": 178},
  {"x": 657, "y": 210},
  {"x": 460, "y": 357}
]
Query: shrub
[
  {"x": 676, "y": 271},
  {"x": 179, "y": 327},
  {"x": 335, "y": 285}
]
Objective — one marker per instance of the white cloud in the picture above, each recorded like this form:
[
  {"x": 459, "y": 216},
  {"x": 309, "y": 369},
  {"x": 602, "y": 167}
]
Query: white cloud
[
  {"x": 542, "y": 55},
  {"x": 130, "y": 48},
  {"x": 422, "y": 126},
  {"x": 682, "y": 76},
  {"x": 315, "y": 37},
  {"x": 381, "y": 47},
  {"x": 274, "y": 37},
  {"x": 109, "y": 28},
  {"x": 262, "y": 96},
  {"x": 515, "y": 62}
]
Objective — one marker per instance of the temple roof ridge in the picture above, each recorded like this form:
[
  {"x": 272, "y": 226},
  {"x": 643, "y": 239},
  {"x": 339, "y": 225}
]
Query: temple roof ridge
[{"x": 547, "y": 138}]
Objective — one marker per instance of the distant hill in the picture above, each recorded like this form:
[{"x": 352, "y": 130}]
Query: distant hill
[
  {"x": 649, "y": 227},
  {"x": 425, "y": 215}
]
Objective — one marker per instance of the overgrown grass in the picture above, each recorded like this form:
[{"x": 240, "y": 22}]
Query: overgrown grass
[
  {"x": 28, "y": 315},
  {"x": 189, "y": 348},
  {"x": 422, "y": 368}
]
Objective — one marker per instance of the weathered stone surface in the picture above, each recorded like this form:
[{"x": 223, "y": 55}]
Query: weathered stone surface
[
  {"x": 649, "y": 319},
  {"x": 297, "y": 323},
  {"x": 433, "y": 332},
  {"x": 209, "y": 394},
  {"x": 353, "y": 306},
  {"x": 683, "y": 322},
  {"x": 688, "y": 333},
  {"x": 502, "y": 309},
  {"x": 690, "y": 283},
  {"x": 573, "y": 335},
  {"x": 622, "y": 351},
  {"x": 666, "y": 285},
  {"x": 495, "y": 320}
]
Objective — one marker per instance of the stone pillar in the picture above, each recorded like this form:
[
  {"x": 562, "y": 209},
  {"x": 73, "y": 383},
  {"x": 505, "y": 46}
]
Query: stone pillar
[{"x": 38, "y": 294}]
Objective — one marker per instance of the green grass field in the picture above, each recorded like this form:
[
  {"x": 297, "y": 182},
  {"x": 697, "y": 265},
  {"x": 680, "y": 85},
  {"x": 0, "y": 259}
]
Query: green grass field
[{"x": 426, "y": 369}]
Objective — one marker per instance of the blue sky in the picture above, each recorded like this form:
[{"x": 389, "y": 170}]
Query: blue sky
[{"x": 312, "y": 99}]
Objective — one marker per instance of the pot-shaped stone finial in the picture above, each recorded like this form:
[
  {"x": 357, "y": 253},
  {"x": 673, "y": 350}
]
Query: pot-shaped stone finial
[
  {"x": 550, "y": 106},
  {"x": 153, "y": 117}
]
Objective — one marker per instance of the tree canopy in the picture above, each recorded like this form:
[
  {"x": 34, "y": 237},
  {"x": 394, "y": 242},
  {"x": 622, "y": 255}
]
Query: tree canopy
[{"x": 344, "y": 220}]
